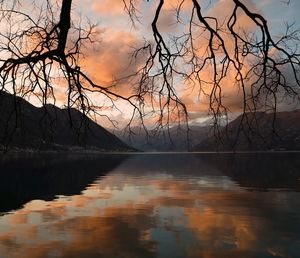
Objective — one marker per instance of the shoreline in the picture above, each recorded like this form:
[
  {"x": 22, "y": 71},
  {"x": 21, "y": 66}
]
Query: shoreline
[{"x": 121, "y": 152}]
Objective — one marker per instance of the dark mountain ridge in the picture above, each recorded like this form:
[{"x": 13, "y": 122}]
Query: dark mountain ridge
[
  {"x": 25, "y": 126},
  {"x": 174, "y": 139},
  {"x": 259, "y": 132}
]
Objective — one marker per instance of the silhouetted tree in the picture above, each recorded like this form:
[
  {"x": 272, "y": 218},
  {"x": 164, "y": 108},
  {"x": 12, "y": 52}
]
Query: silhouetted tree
[{"x": 32, "y": 47}]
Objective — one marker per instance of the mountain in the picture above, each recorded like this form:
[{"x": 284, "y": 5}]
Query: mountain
[
  {"x": 259, "y": 132},
  {"x": 25, "y": 126},
  {"x": 162, "y": 140}
]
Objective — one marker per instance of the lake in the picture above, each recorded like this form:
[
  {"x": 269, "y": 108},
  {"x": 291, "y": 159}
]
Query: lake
[{"x": 150, "y": 205}]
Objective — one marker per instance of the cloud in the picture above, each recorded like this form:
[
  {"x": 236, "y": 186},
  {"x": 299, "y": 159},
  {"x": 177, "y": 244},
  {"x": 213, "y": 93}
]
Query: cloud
[
  {"x": 111, "y": 59},
  {"x": 108, "y": 7}
]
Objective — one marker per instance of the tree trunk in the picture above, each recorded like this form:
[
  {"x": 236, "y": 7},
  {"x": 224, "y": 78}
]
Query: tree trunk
[{"x": 64, "y": 24}]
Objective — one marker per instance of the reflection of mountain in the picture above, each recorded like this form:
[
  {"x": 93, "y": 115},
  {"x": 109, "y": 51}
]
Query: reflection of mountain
[
  {"x": 261, "y": 136},
  {"x": 45, "y": 176},
  {"x": 257, "y": 170},
  {"x": 151, "y": 207},
  {"x": 23, "y": 179},
  {"x": 162, "y": 140},
  {"x": 164, "y": 206},
  {"x": 26, "y": 126},
  {"x": 260, "y": 170},
  {"x": 181, "y": 164}
]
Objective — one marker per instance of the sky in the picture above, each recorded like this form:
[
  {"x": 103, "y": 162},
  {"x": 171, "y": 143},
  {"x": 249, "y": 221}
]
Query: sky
[
  {"x": 110, "y": 58},
  {"x": 119, "y": 35}
]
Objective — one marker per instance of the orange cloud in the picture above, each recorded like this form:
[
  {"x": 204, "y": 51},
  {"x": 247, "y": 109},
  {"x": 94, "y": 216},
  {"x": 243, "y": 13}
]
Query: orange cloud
[
  {"x": 108, "y": 7},
  {"x": 111, "y": 60}
]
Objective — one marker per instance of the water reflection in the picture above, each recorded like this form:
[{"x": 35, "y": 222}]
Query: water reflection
[
  {"x": 167, "y": 206},
  {"x": 43, "y": 176}
]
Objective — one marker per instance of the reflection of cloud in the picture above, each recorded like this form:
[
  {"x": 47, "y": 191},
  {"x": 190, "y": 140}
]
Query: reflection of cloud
[
  {"x": 106, "y": 234},
  {"x": 119, "y": 214}
]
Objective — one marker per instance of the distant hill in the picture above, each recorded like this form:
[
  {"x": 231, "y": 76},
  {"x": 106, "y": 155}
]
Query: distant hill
[
  {"x": 162, "y": 140},
  {"x": 25, "y": 126},
  {"x": 284, "y": 134}
]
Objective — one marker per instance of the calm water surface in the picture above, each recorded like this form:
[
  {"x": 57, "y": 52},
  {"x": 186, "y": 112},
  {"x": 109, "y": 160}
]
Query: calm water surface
[{"x": 171, "y": 205}]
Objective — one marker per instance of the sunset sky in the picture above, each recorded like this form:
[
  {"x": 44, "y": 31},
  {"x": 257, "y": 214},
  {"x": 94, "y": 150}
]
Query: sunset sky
[
  {"x": 110, "y": 58},
  {"x": 119, "y": 37}
]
